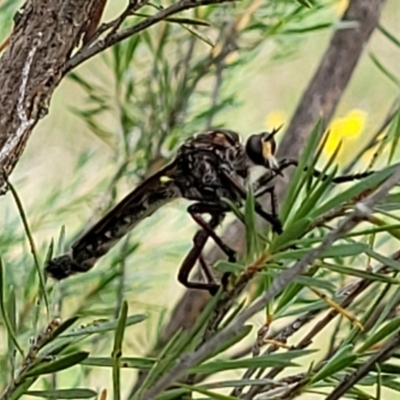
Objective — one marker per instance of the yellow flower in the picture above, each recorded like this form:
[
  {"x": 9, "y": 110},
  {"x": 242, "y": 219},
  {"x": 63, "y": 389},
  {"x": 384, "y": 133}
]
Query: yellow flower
[
  {"x": 275, "y": 119},
  {"x": 346, "y": 130}
]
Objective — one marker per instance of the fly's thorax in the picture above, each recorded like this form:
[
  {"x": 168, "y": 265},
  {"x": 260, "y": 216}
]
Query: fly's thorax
[
  {"x": 222, "y": 147},
  {"x": 204, "y": 164}
]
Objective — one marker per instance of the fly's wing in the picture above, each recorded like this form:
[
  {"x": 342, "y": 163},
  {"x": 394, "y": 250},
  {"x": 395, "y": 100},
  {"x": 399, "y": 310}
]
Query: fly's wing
[
  {"x": 153, "y": 193},
  {"x": 143, "y": 201}
]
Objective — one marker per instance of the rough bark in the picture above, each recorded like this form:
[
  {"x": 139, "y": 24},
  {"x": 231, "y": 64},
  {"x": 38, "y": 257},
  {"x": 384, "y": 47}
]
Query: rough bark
[
  {"x": 44, "y": 35},
  {"x": 320, "y": 99}
]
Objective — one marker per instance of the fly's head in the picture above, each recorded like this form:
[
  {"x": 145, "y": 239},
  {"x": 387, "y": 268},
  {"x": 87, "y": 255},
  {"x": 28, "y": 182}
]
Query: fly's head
[{"x": 260, "y": 149}]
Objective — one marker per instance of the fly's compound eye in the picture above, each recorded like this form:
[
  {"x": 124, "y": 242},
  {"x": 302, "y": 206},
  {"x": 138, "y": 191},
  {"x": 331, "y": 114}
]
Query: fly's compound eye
[
  {"x": 254, "y": 149},
  {"x": 261, "y": 147}
]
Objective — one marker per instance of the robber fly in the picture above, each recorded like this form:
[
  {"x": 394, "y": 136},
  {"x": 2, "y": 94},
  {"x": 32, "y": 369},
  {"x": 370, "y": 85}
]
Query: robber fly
[{"x": 208, "y": 167}]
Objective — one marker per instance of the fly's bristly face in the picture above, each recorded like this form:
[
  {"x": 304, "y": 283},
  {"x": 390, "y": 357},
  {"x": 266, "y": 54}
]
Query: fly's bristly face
[{"x": 260, "y": 149}]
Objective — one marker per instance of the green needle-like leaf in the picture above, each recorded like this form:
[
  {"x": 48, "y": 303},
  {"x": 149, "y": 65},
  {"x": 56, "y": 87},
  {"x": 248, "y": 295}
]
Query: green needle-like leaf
[{"x": 60, "y": 363}]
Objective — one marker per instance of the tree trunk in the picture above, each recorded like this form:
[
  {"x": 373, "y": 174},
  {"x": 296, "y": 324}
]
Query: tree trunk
[{"x": 44, "y": 35}]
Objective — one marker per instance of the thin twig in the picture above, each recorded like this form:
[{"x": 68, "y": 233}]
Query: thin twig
[
  {"x": 215, "y": 94},
  {"x": 116, "y": 23},
  {"x": 351, "y": 291},
  {"x": 282, "y": 336},
  {"x": 378, "y": 358},
  {"x": 6, "y": 320},
  {"x": 348, "y": 382},
  {"x": 42, "y": 284},
  {"x": 121, "y": 278},
  {"x": 227, "y": 37},
  {"x": 229, "y": 297},
  {"x": 117, "y": 37},
  {"x": 31, "y": 357},
  {"x": 328, "y": 216},
  {"x": 130, "y": 10}
]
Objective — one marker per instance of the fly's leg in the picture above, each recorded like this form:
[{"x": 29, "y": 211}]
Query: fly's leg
[
  {"x": 206, "y": 269},
  {"x": 271, "y": 191},
  {"x": 207, "y": 230},
  {"x": 195, "y": 211},
  {"x": 272, "y": 218},
  {"x": 199, "y": 241},
  {"x": 285, "y": 163}
]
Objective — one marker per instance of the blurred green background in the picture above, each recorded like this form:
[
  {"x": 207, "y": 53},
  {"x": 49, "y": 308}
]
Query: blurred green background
[{"x": 67, "y": 167}]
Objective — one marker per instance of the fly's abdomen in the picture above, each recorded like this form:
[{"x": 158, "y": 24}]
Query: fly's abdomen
[{"x": 97, "y": 241}]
